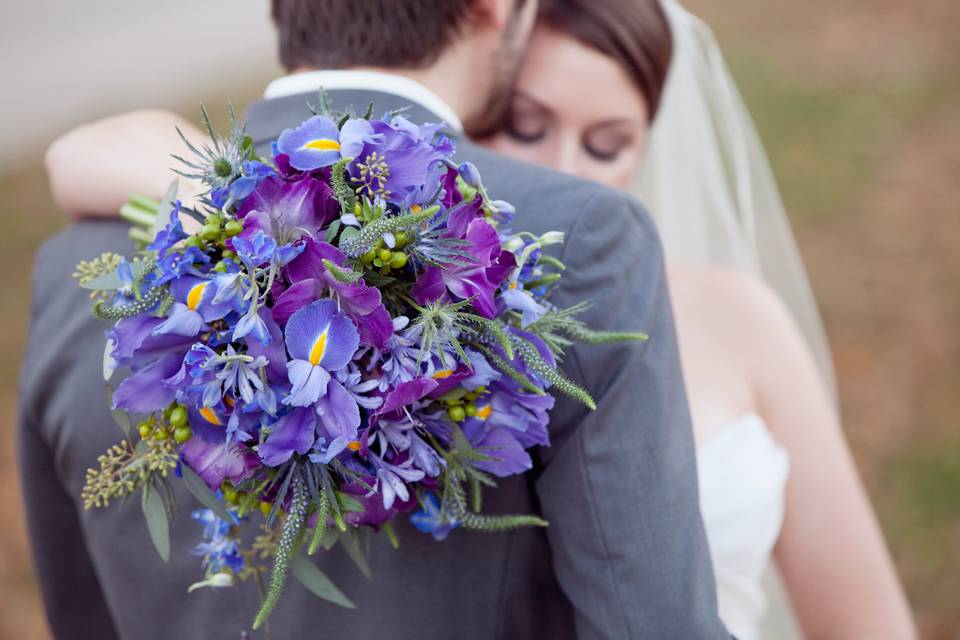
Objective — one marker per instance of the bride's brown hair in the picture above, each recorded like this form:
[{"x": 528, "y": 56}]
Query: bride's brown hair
[{"x": 635, "y": 33}]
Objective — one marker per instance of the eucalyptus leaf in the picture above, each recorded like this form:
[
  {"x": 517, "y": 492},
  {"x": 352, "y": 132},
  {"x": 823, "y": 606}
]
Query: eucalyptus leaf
[
  {"x": 318, "y": 583},
  {"x": 331, "y": 232},
  {"x": 166, "y": 206},
  {"x": 196, "y": 485},
  {"x": 158, "y": 524},
  {"x": 330, "y": 537},
  {"x": 351, "y": 544},
  {"x": 106, "y": 282},
  {"x": 122, "y": 418}
]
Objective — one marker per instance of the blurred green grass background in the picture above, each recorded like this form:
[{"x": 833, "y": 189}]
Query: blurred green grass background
[{"x": 858, "y": 103}]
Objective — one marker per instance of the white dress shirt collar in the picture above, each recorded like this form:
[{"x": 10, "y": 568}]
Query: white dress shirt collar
[{"x": 406, "y": 88}]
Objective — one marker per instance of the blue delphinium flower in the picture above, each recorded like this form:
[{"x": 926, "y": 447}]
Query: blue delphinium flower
[
  {"x": 220, "y": 548},
  {"x": 430, "y": 519}
]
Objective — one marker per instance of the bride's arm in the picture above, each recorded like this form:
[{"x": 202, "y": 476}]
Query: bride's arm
[
  {"x": 95, "y": 167},
  {"x": 831, "y": 551}
]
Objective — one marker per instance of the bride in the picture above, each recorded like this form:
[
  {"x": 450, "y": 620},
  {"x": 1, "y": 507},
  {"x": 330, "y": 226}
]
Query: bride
[{"x": 777, "y": 482}]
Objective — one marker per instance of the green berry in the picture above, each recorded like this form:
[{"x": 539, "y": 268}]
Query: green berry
[
  {"x": 178, "y": 417},
  {"x": 220, "y": 267},
  {"x": 384, "y": 255},
  {"x": 210, "y": 232},
  {"x": 266, "y": 508},
  {"x": 398, "y": 260},
  {"x": 471, "y": 409},
  {"x": 457, "y": 414},
  {"x": 229, "y": 493},
  {"x": 228, "y": 254},
  {"x": 368, "y": 257},
  {"x": 402, "y": 239},
  {"x": 182, "y": 434},
  {"x": 233, "y": 228},
  {"x": 193, "y": 241},
  {"x": 144, "y": 428}
]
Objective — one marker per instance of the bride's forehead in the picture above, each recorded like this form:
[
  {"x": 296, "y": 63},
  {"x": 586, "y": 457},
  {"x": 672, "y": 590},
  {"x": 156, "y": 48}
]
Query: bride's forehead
[{"x": 568, "y": 77}]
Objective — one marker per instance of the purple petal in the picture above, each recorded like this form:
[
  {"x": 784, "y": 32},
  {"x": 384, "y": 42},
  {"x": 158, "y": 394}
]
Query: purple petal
[
  {"x": 312, "y": 145},
  {"x": 295, "y": 298},
  {"x": 144, "y": 391},
  {"x": 319, "y": 330},
  {"x": 406, "y": 394},
  {"x": 216, "y": 462},
  {"x": 294, "y": 432}
]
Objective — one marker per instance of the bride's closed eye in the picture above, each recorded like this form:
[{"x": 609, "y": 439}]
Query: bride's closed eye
[
  {"x": 528, "y": 121},
  {"x": 606, "y": 144}
]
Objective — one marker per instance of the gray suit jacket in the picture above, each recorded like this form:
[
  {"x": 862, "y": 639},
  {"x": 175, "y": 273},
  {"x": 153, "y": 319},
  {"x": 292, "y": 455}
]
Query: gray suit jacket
[{"x": 624, "y": 556}]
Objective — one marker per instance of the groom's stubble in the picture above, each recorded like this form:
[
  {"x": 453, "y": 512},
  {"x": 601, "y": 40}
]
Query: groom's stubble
[{"x": 505, "y": 62}]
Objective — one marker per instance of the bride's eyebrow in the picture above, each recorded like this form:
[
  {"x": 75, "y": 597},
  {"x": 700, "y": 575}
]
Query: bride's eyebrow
[{"x": 612, "y": 123}]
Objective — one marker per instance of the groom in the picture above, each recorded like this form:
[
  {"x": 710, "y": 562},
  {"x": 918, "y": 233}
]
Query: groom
[{"x": 625, "y": 554}]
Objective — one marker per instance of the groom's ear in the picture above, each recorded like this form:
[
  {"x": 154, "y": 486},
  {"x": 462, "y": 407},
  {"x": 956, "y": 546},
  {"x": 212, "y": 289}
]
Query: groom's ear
[{"x": 495, "y": 13}]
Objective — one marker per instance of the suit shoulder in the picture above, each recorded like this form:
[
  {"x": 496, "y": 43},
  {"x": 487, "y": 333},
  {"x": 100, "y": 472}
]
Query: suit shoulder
[{"x": 567, "y": 198}]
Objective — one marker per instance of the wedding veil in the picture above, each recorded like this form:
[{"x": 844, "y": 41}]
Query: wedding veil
[{"x": 709, "y": 184}]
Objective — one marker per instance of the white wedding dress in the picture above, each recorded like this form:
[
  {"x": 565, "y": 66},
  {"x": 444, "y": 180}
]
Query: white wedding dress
[{"x": 742, "y": 475}]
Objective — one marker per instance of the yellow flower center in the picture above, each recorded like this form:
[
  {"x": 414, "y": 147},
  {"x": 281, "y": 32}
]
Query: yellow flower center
[
  {"x": 323, "y": 144},
  {"x": 195, "y": 295},
  {"x": 318, "y": 349}
]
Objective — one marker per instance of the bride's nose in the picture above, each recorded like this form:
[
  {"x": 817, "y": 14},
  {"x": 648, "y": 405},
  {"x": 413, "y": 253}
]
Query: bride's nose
[{"x": 568, "y": 154}]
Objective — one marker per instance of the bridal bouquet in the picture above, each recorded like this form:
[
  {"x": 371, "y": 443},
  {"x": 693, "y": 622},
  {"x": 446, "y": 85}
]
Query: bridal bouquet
[{"x": 350, "y": 332}]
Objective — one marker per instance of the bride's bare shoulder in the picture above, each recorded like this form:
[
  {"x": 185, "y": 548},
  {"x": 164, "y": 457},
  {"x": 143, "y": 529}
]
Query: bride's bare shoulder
[{"x": 737, "y": 304}]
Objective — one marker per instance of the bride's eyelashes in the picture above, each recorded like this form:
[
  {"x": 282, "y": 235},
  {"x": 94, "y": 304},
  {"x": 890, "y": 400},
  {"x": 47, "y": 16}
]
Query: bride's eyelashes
[
  {"x": 605, "y": 146},
  {"x": 603, "y": 155},
  {"x": 526, "y": 131}
]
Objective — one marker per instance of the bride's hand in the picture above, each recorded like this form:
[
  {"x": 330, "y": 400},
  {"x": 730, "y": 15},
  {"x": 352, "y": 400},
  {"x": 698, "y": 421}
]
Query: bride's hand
[{"x": 95, "y": 167}]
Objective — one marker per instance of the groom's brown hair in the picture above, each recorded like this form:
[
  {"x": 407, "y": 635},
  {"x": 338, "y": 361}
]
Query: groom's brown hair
[{"x": 333, "y": 34}]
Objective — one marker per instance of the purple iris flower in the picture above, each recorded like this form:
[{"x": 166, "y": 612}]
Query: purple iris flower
[
  {"x": 311, "y": 281},
  {"x": 320, "y": 341},
  {"x": 429, "y": 518},
  {"x": 295, "y": 431},
  {"x": 477, "y": 278},
  {"x": 218, "y": 461},
  {"x": 193, "y": 308},
  {"x": 317, "y": 143},
  {"x": 399, "y": 162},
  {"x": 287, "y": 211}
]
